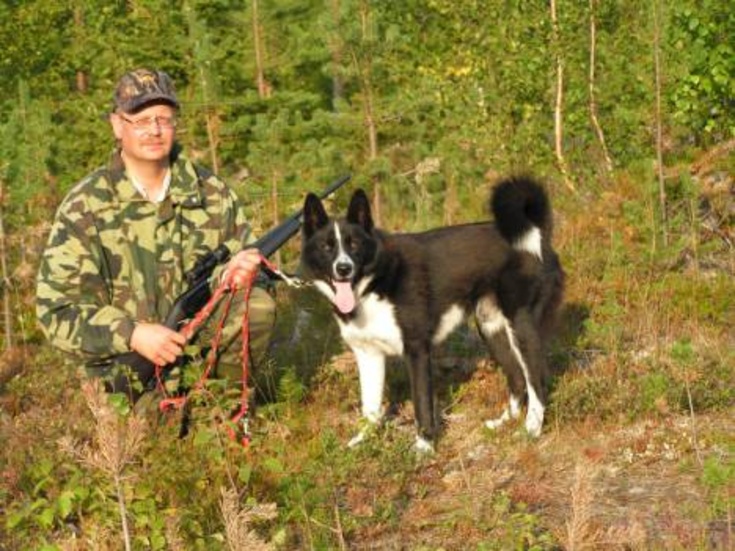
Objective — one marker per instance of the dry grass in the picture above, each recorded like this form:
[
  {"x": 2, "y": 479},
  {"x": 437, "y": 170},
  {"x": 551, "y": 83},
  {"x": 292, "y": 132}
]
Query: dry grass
[
  {"x": 585, "y": 528},
  {"x": 117, "y": 440},
  {"x": 581, "y": 531},
  {"x": 239, "y": 532}
]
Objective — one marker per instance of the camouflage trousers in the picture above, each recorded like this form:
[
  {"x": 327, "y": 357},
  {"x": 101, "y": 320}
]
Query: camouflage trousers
[{"x": 261, "y": 309}]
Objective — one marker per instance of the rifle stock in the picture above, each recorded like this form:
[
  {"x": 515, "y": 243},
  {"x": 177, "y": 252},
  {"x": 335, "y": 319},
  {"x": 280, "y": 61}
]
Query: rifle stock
[{"x": 198, "y": 294}]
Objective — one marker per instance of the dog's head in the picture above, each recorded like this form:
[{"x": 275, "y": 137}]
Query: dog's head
[{"x": 337, "y": 254}]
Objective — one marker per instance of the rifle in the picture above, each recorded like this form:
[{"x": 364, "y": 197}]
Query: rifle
[{"x": 196, "y": 296}]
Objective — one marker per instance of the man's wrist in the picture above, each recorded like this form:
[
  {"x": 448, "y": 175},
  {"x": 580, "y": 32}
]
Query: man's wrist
[{"x": 126, "y": 329}]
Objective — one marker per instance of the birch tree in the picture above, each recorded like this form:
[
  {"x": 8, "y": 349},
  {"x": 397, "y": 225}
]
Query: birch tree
[
  {"x": 592, "y": 84},
  {"x": 559, "y": 99}
]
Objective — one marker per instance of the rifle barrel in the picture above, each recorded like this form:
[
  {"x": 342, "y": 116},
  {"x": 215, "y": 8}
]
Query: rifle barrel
[{"x": 274, "y": 239}]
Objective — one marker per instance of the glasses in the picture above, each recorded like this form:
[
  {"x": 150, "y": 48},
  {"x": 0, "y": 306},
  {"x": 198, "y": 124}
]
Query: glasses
[{"x": 144, "y": 125}]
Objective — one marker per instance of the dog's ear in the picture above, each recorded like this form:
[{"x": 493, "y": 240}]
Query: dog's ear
[
  {"x": 359, "y": 211},
  {"x": 315, "y": 216}
]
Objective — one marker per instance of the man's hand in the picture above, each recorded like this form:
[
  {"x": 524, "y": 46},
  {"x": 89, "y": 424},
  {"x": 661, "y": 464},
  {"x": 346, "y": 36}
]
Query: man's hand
[
  {"x": 241, "y": 268},
  {"x": 157, "y": 343}
]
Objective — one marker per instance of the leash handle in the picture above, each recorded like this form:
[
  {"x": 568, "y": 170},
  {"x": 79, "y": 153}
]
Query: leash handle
[{"x": 240, "y": 418}]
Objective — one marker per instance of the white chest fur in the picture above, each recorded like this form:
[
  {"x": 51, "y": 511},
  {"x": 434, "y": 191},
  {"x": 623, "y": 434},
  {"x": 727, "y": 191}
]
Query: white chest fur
[{"x": 374, "y": 327}]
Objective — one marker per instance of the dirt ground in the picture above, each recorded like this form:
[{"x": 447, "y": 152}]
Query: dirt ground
[{"x": 588, "y": 485}]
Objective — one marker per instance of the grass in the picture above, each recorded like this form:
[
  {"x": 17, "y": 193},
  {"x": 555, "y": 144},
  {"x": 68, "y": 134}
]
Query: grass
[{"x": 637, "y": 451}]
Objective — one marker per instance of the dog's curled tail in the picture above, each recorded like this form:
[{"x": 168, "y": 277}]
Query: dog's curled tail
[{"x": 522, "y": 213}]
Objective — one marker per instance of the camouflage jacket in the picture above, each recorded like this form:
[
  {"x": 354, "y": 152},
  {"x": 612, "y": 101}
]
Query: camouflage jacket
[{"x": 114, "y": 258}]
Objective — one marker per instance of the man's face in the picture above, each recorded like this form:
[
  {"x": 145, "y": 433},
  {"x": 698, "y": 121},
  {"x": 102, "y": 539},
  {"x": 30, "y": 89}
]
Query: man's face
[{"x": 148, "y": 135}]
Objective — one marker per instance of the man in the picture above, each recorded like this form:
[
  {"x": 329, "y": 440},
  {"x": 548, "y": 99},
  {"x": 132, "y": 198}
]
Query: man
[{"x": 125, "y": 236}]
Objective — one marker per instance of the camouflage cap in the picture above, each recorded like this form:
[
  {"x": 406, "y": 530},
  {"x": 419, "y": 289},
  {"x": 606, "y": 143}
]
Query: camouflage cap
[{"x": 141, "y": 87}]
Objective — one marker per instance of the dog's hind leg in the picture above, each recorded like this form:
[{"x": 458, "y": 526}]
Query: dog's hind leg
[
  {"x": 526, "y": 345},
  {"x": 371, "y": 368},
  {"x": 521, "y": 373},
  {"x": 492, "y": 326}
]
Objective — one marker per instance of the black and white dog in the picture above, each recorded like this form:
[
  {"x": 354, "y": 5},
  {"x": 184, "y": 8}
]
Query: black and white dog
[{"x": 401, "y": 294}]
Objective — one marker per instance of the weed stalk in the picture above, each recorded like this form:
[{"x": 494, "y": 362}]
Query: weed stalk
[{"x": 115, "y": 446}]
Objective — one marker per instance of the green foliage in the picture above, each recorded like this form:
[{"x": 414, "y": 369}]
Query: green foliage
[
  {"x": 702, "y": 98},
  {"x": 719, "y": 476},
  {"x": 515, "y": 527},
  {"x": 48, "y": 504},
  {"x": 441, "y": 74},
  {"x": 657, "y": 387},
  {"x": 291, "y": 390},
  {"x": 313, "y": 492},
  {"x": 26, "y": 140}
]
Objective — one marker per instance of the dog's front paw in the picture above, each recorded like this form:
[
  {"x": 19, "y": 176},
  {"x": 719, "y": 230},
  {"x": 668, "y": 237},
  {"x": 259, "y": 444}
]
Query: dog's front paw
[
  {"x": 422, "y": 446},
  {"x": 367, "y": 429},
  {"x": 494, "y": 424},
  {"x": 357, "y": 439}
]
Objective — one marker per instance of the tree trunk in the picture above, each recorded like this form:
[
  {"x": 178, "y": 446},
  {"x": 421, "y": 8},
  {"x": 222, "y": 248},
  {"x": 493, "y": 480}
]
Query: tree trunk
[
  {"x": 81, "y": 77},
  {"x": 659, "y": 123},
  {"x": 264, "y": 88},
  {"x": 198, "y": 40},
  {"x": 364, "y": 71},
  {"x": 335, "y": 47},
  {"x": 275, "y": 178},
  {"x": 7, "y": 307},
  {"x": 211, "y": 118},
  {"x": 264, "y": 92},
  {"x": 451, "y": 200},
  {"x": 593, "y": 102},
  {"x": 122, "y": 511},
  {"x": 559, "y": 103},
  {"x": 213, "y": 137}
]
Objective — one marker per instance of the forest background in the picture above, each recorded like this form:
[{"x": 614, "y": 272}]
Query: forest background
[{"x": 626, "y": 110}]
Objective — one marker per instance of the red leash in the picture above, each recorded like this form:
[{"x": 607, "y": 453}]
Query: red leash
[{"x": 240, "y": 417}]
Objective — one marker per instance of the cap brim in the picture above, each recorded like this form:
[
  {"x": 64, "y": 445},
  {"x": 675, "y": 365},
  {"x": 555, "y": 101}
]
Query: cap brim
[{"x": 140, "y": 102}]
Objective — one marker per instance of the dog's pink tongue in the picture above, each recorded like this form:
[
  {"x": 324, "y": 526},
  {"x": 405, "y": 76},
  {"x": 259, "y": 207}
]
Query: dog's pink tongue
[{"x": 344, "y": 298}]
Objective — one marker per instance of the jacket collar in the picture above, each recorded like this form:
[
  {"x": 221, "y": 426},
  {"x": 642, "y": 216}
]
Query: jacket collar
[{"x": 184, "y": 188}]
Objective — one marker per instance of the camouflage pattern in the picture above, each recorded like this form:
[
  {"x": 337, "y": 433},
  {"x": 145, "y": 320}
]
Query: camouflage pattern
[
  {"x": 114, "y": 258},
  {"x": 142, "y": 87}
]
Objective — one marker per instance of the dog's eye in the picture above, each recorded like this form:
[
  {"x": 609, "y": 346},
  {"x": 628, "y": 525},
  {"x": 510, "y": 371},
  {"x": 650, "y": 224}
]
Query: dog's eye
[{"x": 353, "y": 245}]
